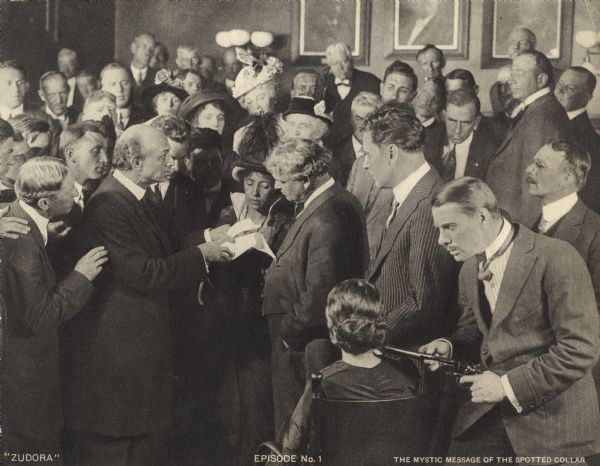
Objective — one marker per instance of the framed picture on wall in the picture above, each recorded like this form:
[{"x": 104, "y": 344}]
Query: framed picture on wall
[
  {"x": 414, "y": 24},
  {"x": 318, "y": 23},
  {"x": 550, "y": 21}
]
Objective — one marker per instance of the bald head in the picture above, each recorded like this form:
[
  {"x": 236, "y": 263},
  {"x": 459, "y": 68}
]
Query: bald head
[
  {"x": 142, "y": 153},
  {"x": 521, "y": 40}
]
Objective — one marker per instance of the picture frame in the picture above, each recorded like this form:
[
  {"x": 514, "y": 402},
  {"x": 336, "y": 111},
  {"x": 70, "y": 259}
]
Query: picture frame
[
  {"x": 318, "y": 23},
  {"x": 553, "y": 29},
  {"x": 414, "y": 24}
]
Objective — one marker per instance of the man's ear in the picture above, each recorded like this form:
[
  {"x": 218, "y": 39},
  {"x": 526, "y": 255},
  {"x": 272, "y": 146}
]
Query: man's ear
[
  {"x": 69, "y": 153},
  {"x": 477, "y": 121},
  {"x": 392, "y": 153},
  {"x": 41, "y": 94},
  {"x": 43, "y": 204},
  {"x": 542, "y": 80},
  {"x": 132, "y": 48}
]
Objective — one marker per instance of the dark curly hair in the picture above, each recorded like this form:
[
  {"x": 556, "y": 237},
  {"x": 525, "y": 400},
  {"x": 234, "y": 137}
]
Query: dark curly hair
[{"x": 355, "y": 318}]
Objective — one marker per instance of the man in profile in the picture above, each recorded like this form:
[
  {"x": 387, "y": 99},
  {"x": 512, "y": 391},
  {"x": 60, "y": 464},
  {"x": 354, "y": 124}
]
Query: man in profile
[{"x": 119, "y": 370}]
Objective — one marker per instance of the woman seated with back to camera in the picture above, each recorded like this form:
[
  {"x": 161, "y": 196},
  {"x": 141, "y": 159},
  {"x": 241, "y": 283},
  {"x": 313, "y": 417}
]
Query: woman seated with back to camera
[{"x": 356, "y": 325}]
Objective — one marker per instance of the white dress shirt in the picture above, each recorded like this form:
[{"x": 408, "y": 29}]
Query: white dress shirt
[
  {"x": 133, "y": 188},
  {"x": 556, "y": 210},
  {"x": 79, "y": 198},
  {"x": 461, "y": 154},
  {"x": 40, "y": 221},
  {"x": 344, "y": 87},
  {"x": 403, "y": 189},
  {"x": 6, "y": 113},
  {"x": 576, "y": 113},
  {"x": 320, "y": 190},
  {"x": 72, "y": 86},
  {"x": 138, "y": 74}
]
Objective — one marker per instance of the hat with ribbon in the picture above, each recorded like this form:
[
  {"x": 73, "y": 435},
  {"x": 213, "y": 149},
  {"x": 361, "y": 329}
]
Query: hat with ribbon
[
  {"x": 307, "y": 106},
  {"x": 256, "y": 72},
  {"x": 164, "y": 82},
  {"x": 202, "y": 97}
]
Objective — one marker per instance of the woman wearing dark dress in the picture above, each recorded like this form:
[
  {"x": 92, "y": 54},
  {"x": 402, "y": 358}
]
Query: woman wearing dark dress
[
  {"x": 243, "y": 403},
  {"x": 356, "y": 325}
]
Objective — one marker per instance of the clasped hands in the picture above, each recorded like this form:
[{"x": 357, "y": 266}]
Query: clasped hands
[{"x": 485, "y": 388}]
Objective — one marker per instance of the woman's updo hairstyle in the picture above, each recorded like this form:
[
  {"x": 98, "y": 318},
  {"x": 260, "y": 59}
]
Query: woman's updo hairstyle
[{"x": 354, "y": 316}]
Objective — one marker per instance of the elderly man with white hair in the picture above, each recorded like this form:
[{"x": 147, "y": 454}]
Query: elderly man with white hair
[{"x": 343, "y": 82}]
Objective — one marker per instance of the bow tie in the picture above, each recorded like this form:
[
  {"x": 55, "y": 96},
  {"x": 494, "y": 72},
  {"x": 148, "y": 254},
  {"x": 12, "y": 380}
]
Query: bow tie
[{"x": 342, "y": 82}]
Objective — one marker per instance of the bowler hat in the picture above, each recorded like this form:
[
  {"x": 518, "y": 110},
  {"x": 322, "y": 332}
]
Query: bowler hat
[{"x": 307, "y": 106}]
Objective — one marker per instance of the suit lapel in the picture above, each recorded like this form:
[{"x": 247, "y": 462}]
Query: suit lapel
[
  {"x": 17, "y": 211},
  {"x": 515, "y": 276},
  {"x": 421, "y": 191},
  {"x": 305, "y": 215},
  {"x": 143, "y": 213},
  {"x": 568, "y": 228}
]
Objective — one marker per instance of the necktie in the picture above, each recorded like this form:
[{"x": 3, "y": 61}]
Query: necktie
[
  {"x": 139, "y": 78},
  {"x": 158, "y": 192},
  {"x": 153, "y": 198},
  {"x": 298, "y": 207},
  {"x": 516, "y": 115},
  {"x": 485, "y": 274},
  {"x": 395, "y": 206},
  {"x": 449, "y": 165},
  {"x": 543, "y": 226},
  {"x": 120, "y": 124}
]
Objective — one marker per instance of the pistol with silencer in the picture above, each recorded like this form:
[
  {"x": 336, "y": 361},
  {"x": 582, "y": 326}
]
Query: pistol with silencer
[{"x": 449, "y": 366}]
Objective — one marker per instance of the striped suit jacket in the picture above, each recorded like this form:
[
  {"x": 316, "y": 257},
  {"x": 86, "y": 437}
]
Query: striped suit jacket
[
  {"x": 544, "y": 335},
  {"x": 414, "y": 275}
]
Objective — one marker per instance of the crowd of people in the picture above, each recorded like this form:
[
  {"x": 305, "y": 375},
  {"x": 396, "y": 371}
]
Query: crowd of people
[{"x": 179, "y": 254}]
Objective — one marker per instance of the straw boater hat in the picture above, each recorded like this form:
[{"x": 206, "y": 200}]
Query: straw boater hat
[
  {"x": 255, "y": 73},
  {"x": 163, "y": 82},
  {"x": 307, "y": 106},
  {"x": 202, "y": 97}
]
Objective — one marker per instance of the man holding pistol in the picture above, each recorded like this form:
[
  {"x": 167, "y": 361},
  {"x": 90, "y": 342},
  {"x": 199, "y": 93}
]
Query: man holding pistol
[{"x": 528, "y": 305}]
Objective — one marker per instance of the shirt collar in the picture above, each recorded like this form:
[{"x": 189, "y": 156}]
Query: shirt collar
[
  {"x": 535, "y": 96},
  {"x": 427, "y": 123},
  {"x": 79, "y": 191},
  {"x": 500, "y": 239},
  {"x": 357, "y": 146},
  {"x": 135, "y": 68},
  {"x": 8, "y": 112},
  {"x": 133, "y": 188},
  {"x": 320, "y": 190},
  {"x": 556, "y": 210},
  {"x": 40, "y": 221},
  {"x": 575, "y": 113},
  {"x": 403, "y": 189}
]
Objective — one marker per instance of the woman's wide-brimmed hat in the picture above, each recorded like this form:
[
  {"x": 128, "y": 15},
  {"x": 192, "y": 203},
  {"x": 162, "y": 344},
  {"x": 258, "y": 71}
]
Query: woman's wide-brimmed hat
[
  {"x": 163, "y": 82},
  {"x": 250, "y": 162},
  {"x": 255, "y": 73},
  {"x": 307, "y": 106},
  {"x": 202, "y": 97}
]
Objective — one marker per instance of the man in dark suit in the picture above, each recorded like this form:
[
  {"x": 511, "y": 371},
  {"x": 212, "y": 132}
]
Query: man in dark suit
[
  {"x": 411, "y": 271},
  {"x": 177, "y": 202},
  {"x": 556, "y": 175},
  {"x": 374, "y": 200},
  {"x": 574, "y": 90},
  {"x": 431, "y": 62},
  {"x": 36, "y": 305},
  {"x": 68, "y": 64},
  {"x": 471, "y": 145},
  {"x": 537, "y": 120},
  {"x": 13, "y": 89},
  {"x": 54, "y": 92},
  {"x": 528, "y": 306},
  {"x": 117, "y": 80},
  {"x": 327, "y": 243},
  {"x": 399, "y": 83},
  {"x": 119, "y": 366},
  {"x": 342, "y": 83},
  {"x": 428, "y": 103},
  {"x": 142, "y": 75}
]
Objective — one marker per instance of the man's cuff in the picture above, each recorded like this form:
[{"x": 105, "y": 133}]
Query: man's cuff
[
  {"x": 207, "y": 237},
  {"x": 510, "y": 394}
]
